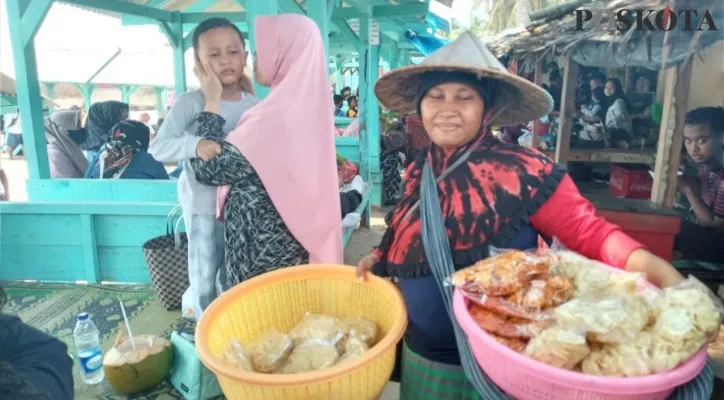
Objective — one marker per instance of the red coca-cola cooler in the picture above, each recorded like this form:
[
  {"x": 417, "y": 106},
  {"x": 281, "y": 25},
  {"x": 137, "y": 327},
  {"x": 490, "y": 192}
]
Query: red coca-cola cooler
[{"x": 630, "y": 180}]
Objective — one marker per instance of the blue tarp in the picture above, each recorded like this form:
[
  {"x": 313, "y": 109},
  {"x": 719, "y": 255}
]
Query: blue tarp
[{"x": 424, "y": 44}]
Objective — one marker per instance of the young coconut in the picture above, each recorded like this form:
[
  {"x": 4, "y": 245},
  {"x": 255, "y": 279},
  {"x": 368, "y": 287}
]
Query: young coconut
[{"x": 132, "y": 370}]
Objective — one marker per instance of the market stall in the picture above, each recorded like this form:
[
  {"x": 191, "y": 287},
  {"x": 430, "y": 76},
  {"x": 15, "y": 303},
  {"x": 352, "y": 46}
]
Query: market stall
[{"x": 666, "y": 54}]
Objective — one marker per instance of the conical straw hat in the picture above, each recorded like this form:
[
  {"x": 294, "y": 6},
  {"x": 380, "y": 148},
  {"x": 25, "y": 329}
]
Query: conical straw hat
[{"x": 517, "y": 99}]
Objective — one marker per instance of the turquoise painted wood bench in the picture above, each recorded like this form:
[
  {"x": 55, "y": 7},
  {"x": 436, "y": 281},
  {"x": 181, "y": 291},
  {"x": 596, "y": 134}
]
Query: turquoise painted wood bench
[
  {"x": 91, "y": 241},
  {"x": 93, "y": 230}
]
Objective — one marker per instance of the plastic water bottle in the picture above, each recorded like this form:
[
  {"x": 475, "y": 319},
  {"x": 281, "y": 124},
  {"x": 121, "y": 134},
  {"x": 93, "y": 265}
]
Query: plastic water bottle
[{"x": 87, "y": 342}]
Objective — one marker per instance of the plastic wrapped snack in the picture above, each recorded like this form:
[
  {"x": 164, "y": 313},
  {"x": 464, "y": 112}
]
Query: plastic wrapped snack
[
  {"x": 354, "y": 347},
  {"x": 237, "y": 356},
  {"x": 589, "y": 276},
  {"x": 675, "y": 337},
  {"x": 541, "y": 294},
  {"x": 704, "y": 308},
  {"x": 561, "y": 348},
  {"x": 361, "y": 328},
  {"x": 515, "y": 344},
  {"x": 606, "y": 319},
  {"x": 270, "y": 351},
  {"x": 316, "y": 327},
  {"x": 506, "y": 326},
  {"x": 501, "y": 275},
  {"x": 628, "y": 359},
  {"x": 310, "y": 356}
]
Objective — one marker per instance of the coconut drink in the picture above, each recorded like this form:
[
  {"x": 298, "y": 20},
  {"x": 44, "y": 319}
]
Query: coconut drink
[{"x": 138, "y": 364}]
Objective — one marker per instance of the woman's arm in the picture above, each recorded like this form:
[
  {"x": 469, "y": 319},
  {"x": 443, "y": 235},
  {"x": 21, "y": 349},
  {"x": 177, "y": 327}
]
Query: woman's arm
[
  {"x": 572, "y": 219},
  {"x": 228, "y": 167}
]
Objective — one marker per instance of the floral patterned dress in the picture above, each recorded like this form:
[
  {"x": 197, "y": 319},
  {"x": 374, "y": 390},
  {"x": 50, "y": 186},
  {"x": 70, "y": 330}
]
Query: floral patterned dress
[{"x": 256, "y": 239}]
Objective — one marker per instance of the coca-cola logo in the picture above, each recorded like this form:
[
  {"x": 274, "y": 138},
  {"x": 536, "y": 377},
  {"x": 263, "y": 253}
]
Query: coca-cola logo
[
  {"x": 617, "y": 182},
  {"x": 641, "y": 187}
]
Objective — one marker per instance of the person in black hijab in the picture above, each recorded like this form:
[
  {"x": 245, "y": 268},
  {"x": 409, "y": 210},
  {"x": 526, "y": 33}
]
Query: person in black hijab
[{"x": 101, "y": 118}]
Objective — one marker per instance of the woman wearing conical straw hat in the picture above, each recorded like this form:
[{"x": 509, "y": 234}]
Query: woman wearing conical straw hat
[{"x": 490, "y": 194}]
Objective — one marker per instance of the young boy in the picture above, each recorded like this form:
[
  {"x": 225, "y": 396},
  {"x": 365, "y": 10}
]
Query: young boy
[
  {"x": 338, "y": 104},
  {"x": 702, "y": 234}
]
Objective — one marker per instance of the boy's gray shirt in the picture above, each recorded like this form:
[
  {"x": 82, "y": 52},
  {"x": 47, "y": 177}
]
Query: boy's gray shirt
[{"x": 176, "y": 141}]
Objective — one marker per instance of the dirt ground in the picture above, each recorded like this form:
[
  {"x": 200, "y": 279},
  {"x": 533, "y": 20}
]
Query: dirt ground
[{"x": 360, "y": 244}]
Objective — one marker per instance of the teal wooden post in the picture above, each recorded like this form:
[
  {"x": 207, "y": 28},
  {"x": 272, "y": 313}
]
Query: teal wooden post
[
  {"x": 24, "y": 19},
  {"x": 405, "y": 57},
  {"x": 50, "y": 91},
  {"x": 160, "y": 104},
  {"x": 318, "y": 10},
  {"x": 179, "y": 61},
  {"x": 86, "y": 90},
  {"x": 174, "y": 32},
  {"x": 339, "y": 77},
  {"x": 394, "y": 55},
  {"x": 373, "y": 127},
  {"x": 254, "y": 8},
  {"x": 126, "y": 92}
]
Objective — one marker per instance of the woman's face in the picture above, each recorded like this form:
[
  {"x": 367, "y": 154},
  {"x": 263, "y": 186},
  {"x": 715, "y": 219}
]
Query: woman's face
[
  {"x": 452, "y": 114},
  {"x": 223, "y": 49},
  {"x": 609, "y": 89},
  {"x": 259, "y": 76}
]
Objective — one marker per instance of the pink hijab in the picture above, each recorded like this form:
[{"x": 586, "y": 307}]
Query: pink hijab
[{"x": 289, "y": 136}]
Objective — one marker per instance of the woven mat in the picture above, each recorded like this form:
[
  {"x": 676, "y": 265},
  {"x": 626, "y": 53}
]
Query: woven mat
[{"x": 52, "y": 308}]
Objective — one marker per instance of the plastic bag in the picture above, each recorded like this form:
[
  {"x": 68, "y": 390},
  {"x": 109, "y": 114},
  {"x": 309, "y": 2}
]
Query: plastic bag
[
  {"x": 237, "y": 356},
  {"x": 704, "y": 308},
  {"x": 502, "y": 274},
  {"x": 354, "y": 347},
  {"x": 606, "y": 319},
  {"x": 516, "y": 344},
  {"x": 588, "y": 275},
  {"x": 558, "y": 347},
  {"x": 627, "y": 359},
  {"x": 317, "y": 327},
  {"x": 310, "y": 356},
  {"x": 506, "y": 326},
  {"x": 270, "y": 351},
  {"x": 361, "y": 328}
]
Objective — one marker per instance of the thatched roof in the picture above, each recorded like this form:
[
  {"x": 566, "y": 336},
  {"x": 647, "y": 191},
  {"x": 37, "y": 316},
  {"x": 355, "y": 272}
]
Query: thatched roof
[{"x": 553, "y": 31}]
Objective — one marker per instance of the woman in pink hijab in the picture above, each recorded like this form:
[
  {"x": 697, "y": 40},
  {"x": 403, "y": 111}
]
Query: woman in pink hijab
[{"x": 276, "y": 171}]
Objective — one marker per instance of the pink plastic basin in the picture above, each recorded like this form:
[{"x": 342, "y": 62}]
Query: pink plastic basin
[{"x": 525, "y": 378}]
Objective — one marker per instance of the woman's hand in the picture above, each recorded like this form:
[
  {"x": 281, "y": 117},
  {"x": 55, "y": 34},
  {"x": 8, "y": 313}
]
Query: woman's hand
[
  {"x": 210, "y": 86},
  {"x": 365, "y": 265},
  {"x": 207, "y": 149}
]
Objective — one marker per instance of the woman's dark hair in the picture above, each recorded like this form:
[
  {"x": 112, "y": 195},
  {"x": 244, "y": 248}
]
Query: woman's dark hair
[
  {"x": 714, "y": 116},
  {"x": 213, "y": 23},
  {"x": 350, "y": 99},
  {"x": 3, "y": 298},
  {"x": 598, "y": 76},
  {"x": 618, "y": 92}
]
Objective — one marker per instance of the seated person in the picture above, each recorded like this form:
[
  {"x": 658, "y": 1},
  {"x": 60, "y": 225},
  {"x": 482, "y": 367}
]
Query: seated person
[
  {"x": 125, "y": 155},
  {"x": 589, "y": 131},
  {"x": 619, "y": 125},
  {"x": 353, "y": 111},
  {"x": 349, "y": 201},
  {"x": 338, "y": 104},
  {"x": 33, "y": 364},
  {"x": 64, "y": 135},
  {"x": 702, "y": 229}
]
